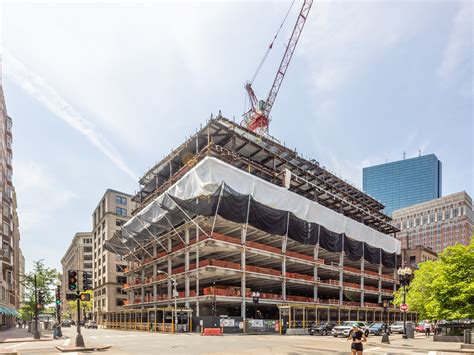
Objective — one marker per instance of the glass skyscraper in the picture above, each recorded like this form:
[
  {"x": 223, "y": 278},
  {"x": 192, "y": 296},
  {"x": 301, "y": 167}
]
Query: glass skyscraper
[{"x": 404, "y": 183}]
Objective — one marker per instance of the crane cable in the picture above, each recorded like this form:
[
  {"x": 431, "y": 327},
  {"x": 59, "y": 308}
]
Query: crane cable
[{"x": 271, "y": 44}]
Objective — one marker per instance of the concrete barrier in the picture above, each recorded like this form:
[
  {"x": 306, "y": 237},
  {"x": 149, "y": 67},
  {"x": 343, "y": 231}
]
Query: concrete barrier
[{"x": 212, "y": 331}]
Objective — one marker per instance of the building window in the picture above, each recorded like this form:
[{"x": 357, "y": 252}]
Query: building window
[
  {"x": 121, "y": 280},
  {"x": 119, "y": 222},
  {"x": 120, "y": 200},
  {"x": 440, "y": 216},
  {"x": 87, "y": 249},
  {"x": 6, "y": 228},
  {"x": 455, "y": 212},
  {"x": 120, "y": 268},
  {"x": 87, "y": 266},
  {"x": 119, "y": 302},
  {"x": 446, "y": 214},
  {"x": 121, "y": 211}
]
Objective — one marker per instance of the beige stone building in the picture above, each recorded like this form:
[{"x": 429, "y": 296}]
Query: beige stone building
[
  {"x": 436, "y": 224},
  {"x": 9, "y": 231},
  {"x": 413, "y": 257},
  {"x": 111, "y": 213},
  {"x": 77, "y": 257}
]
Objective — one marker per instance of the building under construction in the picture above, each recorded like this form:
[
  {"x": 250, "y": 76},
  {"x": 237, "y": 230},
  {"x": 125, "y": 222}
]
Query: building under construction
[{"x": 235, "y": 230}]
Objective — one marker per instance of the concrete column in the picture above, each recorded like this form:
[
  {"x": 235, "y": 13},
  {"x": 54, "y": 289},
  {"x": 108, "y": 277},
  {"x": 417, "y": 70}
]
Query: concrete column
[
  {"x": 243, "y": 281},
  {"x": 143, "y": 294},
  {"x": 380, "y": 283},
  {"x": 341, "y": 278},
  {"x": 362, "y": 285},
  {"x": 155, "y": 286},
  {"x": 315, "y": 272},
  {"x": 186, "y": 266},
  {"x": 283, "y": 273},
  {"x": 154, "y": 251},
  {"x": 170, "y": 267},
  {"x": 197, "y": 273}
]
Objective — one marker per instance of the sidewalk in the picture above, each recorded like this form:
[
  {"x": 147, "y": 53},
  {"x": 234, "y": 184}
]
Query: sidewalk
[
  {"x": 14, "y": 335},
  {"x": 421, "y": 342}
]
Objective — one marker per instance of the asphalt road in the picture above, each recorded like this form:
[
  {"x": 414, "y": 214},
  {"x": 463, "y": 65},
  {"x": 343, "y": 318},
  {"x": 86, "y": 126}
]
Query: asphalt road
[{"x": 131, "y": 342}]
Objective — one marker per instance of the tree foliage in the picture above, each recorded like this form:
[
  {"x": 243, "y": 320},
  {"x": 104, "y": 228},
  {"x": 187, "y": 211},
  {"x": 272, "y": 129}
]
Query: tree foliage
[
  {"x": 46, "y": 280},
  {"x": 443, "y": 289}
]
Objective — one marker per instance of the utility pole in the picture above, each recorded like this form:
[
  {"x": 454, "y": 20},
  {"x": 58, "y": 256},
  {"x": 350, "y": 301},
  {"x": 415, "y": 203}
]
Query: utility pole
[
  {"x": 37, "y": 333},
  {"x": 79, "y": 338}
]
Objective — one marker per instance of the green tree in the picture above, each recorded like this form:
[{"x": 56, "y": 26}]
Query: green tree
[
  {"x": 443, "y": 289},
  {"x": 46, "y": 280}
]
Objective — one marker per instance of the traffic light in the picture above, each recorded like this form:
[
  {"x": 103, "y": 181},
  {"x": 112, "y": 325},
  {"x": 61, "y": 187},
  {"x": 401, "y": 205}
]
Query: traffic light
[
  {"x": 86, "y": 280},
  {"x": 85, "y": 297},
  {"x": 72, "y": 280},
  {"x": 58, "y": 296},
  {"x": 40, "y": 299}
]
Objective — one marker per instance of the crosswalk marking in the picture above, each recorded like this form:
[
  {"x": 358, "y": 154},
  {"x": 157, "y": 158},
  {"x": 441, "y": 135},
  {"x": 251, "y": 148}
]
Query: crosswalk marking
[
  {"x": 67, "y": 342},
  {"x": 14, "y": 346}
]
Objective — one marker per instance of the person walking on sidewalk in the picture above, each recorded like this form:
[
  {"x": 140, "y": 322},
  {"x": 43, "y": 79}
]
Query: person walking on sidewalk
[
  {"x": 427, "y": 328},
  {"x": 358, "y": 338}
]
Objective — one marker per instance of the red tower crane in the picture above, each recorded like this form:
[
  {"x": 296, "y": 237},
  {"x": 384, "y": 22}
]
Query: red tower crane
[{"x": 257, "y": 118}]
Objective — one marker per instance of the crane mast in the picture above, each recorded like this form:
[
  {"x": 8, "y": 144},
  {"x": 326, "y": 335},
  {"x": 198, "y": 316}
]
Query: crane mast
[{"x": 257, "y": 118}]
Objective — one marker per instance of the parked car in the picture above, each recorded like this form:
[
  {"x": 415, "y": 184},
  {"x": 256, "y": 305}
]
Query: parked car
[
  {"x": 397, "y": 327},
  {"x": 66, "y": 323},
  {"x": 378, "y": 329},
  {"x": 91, "y": 324},
  {"x": 322, "y": 329},
  {"x": 345, "y": 329},
  {"x": 420, "y": 327}
]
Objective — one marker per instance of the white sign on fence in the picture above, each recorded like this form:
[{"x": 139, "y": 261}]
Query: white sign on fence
[
  {"x": 256, "y": 323},
  {"x": 227, "y": 322}
]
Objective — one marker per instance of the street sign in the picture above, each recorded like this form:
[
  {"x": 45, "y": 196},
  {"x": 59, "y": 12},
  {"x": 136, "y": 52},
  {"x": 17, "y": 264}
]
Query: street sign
[{"x": 403, "y": 307}]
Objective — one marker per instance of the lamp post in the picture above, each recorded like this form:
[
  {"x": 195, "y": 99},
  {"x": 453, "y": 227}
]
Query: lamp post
[
  {"x": 385, "y": 337},
  {"x": 175, "y": 294},
  {"x": 404, "y": 274},
  {"x": 256, "y": 299}
]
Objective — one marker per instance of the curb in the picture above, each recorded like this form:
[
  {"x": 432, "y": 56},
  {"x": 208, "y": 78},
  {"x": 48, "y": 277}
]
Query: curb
[{"x": 73, "y": 348}]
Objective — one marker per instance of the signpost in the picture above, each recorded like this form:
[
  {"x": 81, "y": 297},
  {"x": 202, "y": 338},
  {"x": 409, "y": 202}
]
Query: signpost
[{"x": 404, "y": 307}]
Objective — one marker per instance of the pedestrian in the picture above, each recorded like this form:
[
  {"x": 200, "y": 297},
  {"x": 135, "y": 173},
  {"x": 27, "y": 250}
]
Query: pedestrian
[
  {"x": 357, "y": 336},
  {"x": 427, "y": 328}
]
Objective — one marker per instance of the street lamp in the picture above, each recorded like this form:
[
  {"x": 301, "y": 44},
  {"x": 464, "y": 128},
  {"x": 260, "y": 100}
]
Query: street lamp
[
  {"x": 256, "y": 299},
  {"x": 404, "y": 274},
  {"x": 175, "y": 293}
]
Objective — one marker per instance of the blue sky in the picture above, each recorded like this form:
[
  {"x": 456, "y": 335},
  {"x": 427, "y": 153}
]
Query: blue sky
[{"x": 98, "y": 92}]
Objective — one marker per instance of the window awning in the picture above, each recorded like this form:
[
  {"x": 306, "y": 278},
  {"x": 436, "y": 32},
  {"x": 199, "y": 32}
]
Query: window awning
[{"x": 8, "y": 311}]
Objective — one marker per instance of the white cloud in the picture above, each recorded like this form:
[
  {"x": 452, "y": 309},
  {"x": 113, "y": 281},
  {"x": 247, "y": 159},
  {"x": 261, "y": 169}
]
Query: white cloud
[
  {"x": 458, "y": 51},
  {"x": 39, "y": 89},
  {"x": 40, "y": 195}
]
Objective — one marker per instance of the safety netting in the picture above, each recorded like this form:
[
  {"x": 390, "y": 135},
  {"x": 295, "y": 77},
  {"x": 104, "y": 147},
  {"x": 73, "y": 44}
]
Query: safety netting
[{"x": 215, "y": 188}]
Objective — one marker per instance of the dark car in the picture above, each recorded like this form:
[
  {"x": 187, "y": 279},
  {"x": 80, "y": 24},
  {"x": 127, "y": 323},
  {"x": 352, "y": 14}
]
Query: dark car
[
  {"x": 378, "y": 329},
  {"x": 66, "y": 323},
  {"x": 322, "y": 329}
]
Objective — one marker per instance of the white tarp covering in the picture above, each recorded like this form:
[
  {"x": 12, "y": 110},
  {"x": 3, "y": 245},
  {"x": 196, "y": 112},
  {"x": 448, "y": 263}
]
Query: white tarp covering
[{"x": 209, "y": 173}]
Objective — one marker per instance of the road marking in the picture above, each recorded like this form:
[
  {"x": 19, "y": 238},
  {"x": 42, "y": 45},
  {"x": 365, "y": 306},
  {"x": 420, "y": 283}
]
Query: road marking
[
  {"x": 371, "y": 349},
  {"x": 432, "y": 353},
  {"x": 14, "y": 346},
  {"x": 67, "y": 342}
]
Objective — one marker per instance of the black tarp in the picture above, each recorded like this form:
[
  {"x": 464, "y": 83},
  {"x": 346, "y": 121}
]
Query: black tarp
[
  {"x": 371, "y": 254},
  {"x": 240, "y": 208},
  {"x": 329, "y": 240},
  {"x": 353, "y": 248}
]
